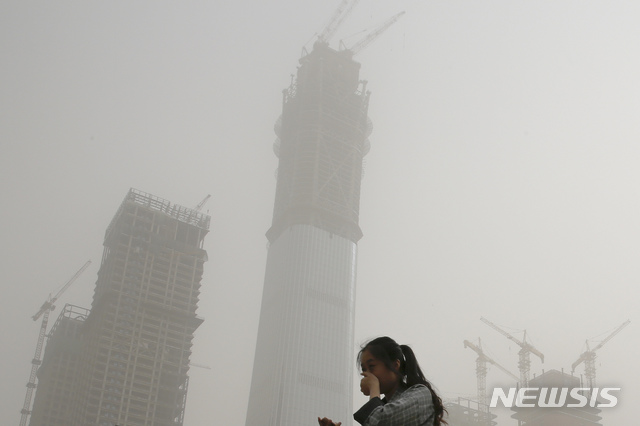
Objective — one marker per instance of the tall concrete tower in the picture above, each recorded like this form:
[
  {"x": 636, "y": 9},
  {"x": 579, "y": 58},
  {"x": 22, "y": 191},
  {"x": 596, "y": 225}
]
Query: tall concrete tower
[{"x": 304, "y": 356}]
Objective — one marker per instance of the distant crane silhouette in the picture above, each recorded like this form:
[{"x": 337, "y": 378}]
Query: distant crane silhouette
[
  {"x": 360, "y": 45},
  {"x": 524, "y": 363},
  {"x": 202, "y": 203},
  {"x": 481, "y": 370},
  {"x": 338, "y": 17},
  {"x": 589, "y": 357}
]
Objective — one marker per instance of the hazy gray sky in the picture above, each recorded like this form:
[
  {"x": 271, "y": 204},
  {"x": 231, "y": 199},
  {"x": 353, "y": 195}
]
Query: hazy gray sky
[{"x": 502, "y": 179}]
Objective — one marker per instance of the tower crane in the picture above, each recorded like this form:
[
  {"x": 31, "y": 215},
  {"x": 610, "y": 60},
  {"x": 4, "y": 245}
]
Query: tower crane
[
  {"x": 526, "y": 349},
  {"x": 360, "y": 45},
  {"x": 202, "y": 203},
  {"x": 43, "y": 312},
  {"x": 589, "y": 357},
  {"x": 481, "y": 370},
  {"x": 338, "y": 17}
]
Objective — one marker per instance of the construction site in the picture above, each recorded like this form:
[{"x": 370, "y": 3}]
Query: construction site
[{"x": 568, "y": 412}]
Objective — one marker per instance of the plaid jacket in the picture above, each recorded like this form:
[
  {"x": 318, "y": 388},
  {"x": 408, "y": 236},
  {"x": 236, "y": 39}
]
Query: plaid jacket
[{"x": 407, "y": 407}]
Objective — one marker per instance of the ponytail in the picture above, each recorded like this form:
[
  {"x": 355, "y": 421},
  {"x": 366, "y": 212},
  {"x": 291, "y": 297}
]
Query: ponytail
[
  {"x": 388, "y": 351},
  {"x": 414, "y": 376}
]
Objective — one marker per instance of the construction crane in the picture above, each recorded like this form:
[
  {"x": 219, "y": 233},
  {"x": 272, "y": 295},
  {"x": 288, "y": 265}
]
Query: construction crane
[
  {"x": 481, "y": 370},
  {"x": 338, "y": 17},
  {"x": 589, "y": 357},
  {"x": 526, "y": 349},
  {"x": 357, "y": 47},
  {"x": 202, "y": 203},
  {"x": 43, "y": 312}
]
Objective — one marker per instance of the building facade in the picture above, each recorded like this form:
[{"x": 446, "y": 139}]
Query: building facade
[{"x": 305, "y": 351}]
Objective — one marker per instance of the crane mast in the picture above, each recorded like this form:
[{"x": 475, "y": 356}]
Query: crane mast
[
  {"x": 524, "y": 355},
  {"x": 43, "y": 312},
  {"x": 481, "y": 370},
  {"x": 589, "y": 357}
]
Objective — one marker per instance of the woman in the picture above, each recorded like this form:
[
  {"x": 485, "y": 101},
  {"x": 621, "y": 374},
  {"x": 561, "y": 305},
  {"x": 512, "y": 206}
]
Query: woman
[{"x": 392, "y": 370}]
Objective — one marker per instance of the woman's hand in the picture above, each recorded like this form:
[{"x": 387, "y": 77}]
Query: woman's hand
[
  {"x": 369, "y": 385},
  {"x": 327, "y": 422}
]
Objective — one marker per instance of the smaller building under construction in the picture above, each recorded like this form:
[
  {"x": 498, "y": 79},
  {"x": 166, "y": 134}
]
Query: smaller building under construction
[{"x": 57, "y": 374}]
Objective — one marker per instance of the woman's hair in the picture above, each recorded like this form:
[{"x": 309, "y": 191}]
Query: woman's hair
[{"x": 386, "y": 350}]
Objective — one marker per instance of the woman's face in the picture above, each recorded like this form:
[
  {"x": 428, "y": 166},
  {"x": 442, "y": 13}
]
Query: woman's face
[{"x": 387, "y": 378}]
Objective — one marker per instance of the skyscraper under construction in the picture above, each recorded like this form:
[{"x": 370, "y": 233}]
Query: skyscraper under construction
[
  {"x": 136, "y": 341},
  {"x": 305, "y": 349}
]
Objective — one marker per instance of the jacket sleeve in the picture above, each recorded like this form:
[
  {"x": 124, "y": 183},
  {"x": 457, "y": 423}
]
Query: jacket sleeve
[{"x": 413, "y": 408}]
